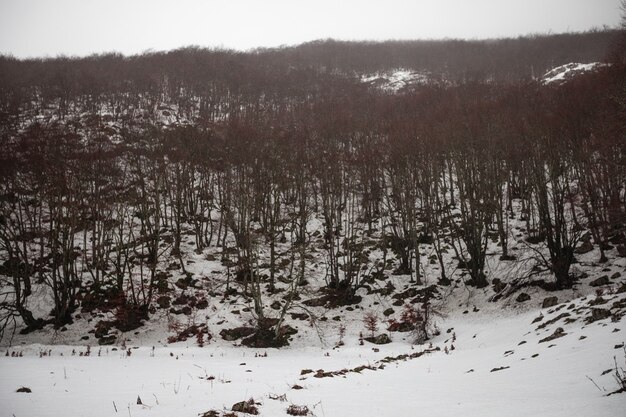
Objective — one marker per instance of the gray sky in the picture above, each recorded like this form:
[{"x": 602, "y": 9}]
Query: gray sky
[{"x": 81, "y": 27}]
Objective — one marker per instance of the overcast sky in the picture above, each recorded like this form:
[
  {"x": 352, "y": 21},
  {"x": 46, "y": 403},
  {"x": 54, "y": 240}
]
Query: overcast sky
[{"x": 81, "y": 27}]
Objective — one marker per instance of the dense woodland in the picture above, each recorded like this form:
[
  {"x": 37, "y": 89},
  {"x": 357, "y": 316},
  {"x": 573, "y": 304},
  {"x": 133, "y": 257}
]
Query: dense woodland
[{"x": 108, "y": 163}]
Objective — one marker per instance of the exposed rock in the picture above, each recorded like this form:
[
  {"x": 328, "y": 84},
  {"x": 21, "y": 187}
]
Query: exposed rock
[
  {"x": 598, "y": 314},
  {"x": 553, "y": 320},
  {"x": 603, "y": 280},
  {"x": 500, "y": 368},
  {"x": 130, "y": 317},
  {"x": 381, "y": 339},
  {"x": 316, "y": 302},
  {"x": 559, "y": 332},
  {"x": 401, "y": 326},
  {"x": 191, "y": 331},
  {"x": 24, "y": 389},
  {"x": 265, "y": 337},
  {"x": 236, "y": 333},
  {"x": 388, "y": 312},
  {"x": 163, "y": 301},
  {"x": 523, "y": 297},
  {"x": 584, "y": 247},
  {"x": 419, "y": 296},
  {"x": 299, "y": 316},
  {"x": 183, "y": 283},
  {"x": 248, "y": 407},
  {"x": 103, "y": 328},
  {"x": 181, "y": 300},
  {"x": 616, "y": 275},
  {"x": 597, "y": 301},
  {"x": 276, "y": 305},
  {"x": 498, "y": 285},
  {"x": 321, "y": 374},
  {"x": 106, "y": 340},
  {"x": 549, "y": 302},
  {"x": 211, "y": 413}
]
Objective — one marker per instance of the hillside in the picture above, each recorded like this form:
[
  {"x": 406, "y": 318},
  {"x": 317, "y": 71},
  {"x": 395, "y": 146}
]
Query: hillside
[{"x": 332, "y": 215}]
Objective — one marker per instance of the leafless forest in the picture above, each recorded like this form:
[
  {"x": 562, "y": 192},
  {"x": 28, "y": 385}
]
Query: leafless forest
[{"x": 109, "y": 163}]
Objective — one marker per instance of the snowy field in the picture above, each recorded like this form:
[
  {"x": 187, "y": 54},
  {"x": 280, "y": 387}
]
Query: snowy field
[{"x": 562, "y": 377}]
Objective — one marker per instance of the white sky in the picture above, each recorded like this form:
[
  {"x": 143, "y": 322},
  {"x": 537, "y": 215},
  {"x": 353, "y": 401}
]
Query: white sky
[{"x": 80, "y": 27}]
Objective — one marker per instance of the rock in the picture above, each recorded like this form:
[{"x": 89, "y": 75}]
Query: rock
[
  {"x": 248, "y": 407},
  {"x": 616, "y": 275},
  {"x": 500, "y": 368},
  {"x": 603, "y": 280},
  {"x": 557, "y": 333},
  {"x": 181, "y": 300},
  {"x": 584, "y": 247},
  {"x": 299, "y": 316},
  {"x": 276, "y": 305},
  {"x": 523, "y": 297},
  {"x": 182, "y": 283},
  {"x": 598, "y": 314},
  {"x": 107, "y": 340},
  {"x": 549, "y": 302},
  {"x": 287, "y": 330},
  {"x": 202, "y": 304},
  {"x": 24, "y": 389},
  {"x": 597, "y": 301},
  {"x": 381, "y": 339},
  {"x": 103, "y": 328},
  {"x": 401, "y": 326},
  {"x": 316, "y": 302},
  {"x": 211, "y": 413},
  {"x": 388, "y": 312},
  {"x": 266, "y": 337},
  {"x": 498, "y": 285},
  {"x": 163, "y": 301},
  {"x": 321, "y": 374},
  {"x": 236, "y": 333}
]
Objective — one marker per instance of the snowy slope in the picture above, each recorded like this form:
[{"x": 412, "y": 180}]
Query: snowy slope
[
  {"x": 395, "y": 80},
  {"x": 563, "y": 73},
  {"x": 550, "y": 378}
]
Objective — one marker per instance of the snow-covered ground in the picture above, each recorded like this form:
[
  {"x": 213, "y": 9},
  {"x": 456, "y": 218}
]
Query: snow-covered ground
[
  {"x": 395, "y": 80},
  {"x": 552, "y": 378},
  {"x": 566, "y": 72}
]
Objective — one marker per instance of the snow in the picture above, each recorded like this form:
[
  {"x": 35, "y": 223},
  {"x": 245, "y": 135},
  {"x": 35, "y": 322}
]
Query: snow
[
  {"x": 395, "y": 80},
  {"x": 174, "y": 380},
  {"x": 565, "y": 72}
]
